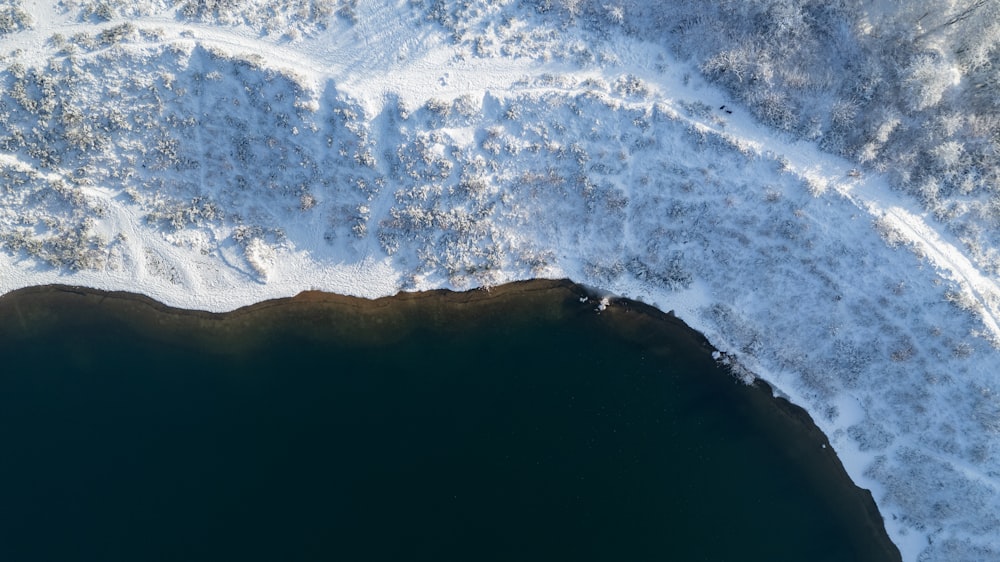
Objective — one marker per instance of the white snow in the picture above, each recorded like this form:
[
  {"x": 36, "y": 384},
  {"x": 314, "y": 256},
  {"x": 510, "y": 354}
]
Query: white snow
[{"x": 231, "y": 166}]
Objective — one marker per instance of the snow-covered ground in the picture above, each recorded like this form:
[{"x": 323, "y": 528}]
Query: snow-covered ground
[{"x": 212, "y": 161}]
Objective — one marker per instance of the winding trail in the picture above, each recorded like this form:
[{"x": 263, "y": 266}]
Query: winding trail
[{"x": 870, "y": 193}]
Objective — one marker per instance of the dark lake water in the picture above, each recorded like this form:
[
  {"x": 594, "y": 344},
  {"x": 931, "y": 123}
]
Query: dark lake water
[{"x": 516, "y": 425}]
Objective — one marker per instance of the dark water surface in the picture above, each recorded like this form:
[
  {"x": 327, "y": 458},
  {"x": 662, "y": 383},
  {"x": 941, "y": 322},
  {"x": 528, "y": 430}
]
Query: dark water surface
[{"x": 514, "y": 425}]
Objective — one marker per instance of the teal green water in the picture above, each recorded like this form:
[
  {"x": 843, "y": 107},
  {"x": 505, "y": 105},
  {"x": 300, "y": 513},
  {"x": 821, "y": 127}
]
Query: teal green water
[{"x": 532, "y": 433}]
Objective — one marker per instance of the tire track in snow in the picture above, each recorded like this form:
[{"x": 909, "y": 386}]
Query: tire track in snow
[{"x": 947, "y": 257}]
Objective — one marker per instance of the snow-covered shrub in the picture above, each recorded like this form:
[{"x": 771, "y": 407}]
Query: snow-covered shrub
[
  {"x": 116, "y": 34},
  {"x": 280, "y": 18},
  {"x": 738, "y": 66},
  {"x": 773, "y": 108},
  {"x": 926, "y": 80},
  {"x": 964, "y": 299},
  {"x": 14, "y": 18},
  {"x": 107, "y": 10},
  {"x": 631, "y": 86}
]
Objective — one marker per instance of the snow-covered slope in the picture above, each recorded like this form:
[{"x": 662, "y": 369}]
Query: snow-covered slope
[{"x": 212, "y": 155}]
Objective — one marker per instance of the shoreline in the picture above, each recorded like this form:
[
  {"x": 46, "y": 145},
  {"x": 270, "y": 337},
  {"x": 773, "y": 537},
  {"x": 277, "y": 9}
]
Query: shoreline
[{"x": 391, "y": 318}]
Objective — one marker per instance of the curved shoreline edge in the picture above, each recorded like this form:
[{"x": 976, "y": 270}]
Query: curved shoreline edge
[{"x": 391, "y": 317}]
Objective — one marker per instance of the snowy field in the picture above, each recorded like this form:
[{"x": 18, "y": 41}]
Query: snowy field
[{"x": 216, "y": 154}]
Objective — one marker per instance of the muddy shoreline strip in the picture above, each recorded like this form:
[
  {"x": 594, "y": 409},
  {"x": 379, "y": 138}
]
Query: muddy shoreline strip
[{"x": 354, "y": 321}]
